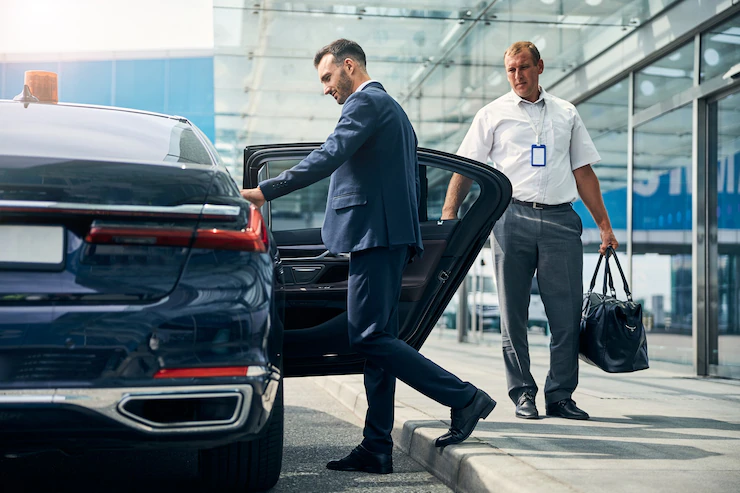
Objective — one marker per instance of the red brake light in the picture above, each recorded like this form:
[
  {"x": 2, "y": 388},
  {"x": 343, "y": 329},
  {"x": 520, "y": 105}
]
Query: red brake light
[
  {"x": 224, "y": 371},
  {"x": 111, "y": 235},
  {"x": 253, "y": 238}
]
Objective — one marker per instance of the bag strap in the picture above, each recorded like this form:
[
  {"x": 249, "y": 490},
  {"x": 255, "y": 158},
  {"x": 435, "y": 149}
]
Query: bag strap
[
  {"x": 608, "y": 275},
  {"x": 627, "y": 291},
  {"x": 596, "y": 272}
]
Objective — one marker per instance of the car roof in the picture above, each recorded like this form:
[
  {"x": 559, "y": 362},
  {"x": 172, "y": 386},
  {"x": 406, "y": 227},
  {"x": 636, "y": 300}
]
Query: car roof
[{"x": 98, "y": 132}]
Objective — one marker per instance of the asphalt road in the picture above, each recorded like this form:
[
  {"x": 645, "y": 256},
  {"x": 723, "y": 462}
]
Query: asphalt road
[{"x": 317, "y": 429}]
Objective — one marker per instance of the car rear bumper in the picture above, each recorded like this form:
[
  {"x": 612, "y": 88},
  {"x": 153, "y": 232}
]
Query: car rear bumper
[{"x": 69, "y": 419}]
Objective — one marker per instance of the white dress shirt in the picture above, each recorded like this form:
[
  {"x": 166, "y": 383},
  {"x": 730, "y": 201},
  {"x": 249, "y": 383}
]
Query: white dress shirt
[
  {"x": 504, "y": 130},
  {"x": 362, "y": 86}
]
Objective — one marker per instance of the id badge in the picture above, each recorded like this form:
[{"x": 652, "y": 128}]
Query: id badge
[{"x": 539, "y": 155}]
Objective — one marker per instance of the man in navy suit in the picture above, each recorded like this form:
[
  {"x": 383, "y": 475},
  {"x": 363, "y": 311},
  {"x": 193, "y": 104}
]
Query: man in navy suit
[{"x": 372, "y": 213}]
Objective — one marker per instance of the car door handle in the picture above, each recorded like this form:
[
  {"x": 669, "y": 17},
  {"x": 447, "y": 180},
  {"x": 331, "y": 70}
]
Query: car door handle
[
  {"x": 322, "y": 256},
  {"x": 326, "y": 254}
]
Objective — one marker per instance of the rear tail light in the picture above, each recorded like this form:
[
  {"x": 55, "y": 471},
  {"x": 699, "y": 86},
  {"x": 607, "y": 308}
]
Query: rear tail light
[
  {"x": 253, "y": 238},
  {"x": 127, "y": 235},
  {"x": 220, "y": 371}
]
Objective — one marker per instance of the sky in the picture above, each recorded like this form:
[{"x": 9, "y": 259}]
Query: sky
[{"x": 61, "y": 27}]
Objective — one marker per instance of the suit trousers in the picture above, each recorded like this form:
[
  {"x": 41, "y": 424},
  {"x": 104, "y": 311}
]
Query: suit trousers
[
  {"x": 373, "y": 295},
  {"x": 547, "y": 241}
]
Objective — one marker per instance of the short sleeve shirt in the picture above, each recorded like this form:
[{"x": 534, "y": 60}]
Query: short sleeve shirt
[{"x": 504, "y": 131}]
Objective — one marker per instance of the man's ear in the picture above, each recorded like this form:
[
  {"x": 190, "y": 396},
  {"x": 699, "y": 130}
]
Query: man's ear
[
  {"x": 350, "y": 65},
  {"x": 540, "y": 66}
]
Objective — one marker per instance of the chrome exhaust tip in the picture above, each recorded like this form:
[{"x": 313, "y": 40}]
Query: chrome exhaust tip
[{"x": 183, "y": 410}]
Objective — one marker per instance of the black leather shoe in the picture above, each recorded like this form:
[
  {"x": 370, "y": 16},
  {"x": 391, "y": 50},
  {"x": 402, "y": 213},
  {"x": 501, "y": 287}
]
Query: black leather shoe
[
  {"x": 525, "y": 407},
  {"x": 566, "y": 409},
  {"x": 361, "y": 459},
  {"x": 463, "y": 420}
]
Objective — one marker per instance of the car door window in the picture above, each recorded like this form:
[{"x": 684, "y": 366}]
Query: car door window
[
  {"x": 304, "y": 208},
  {"x": 437, "y": 181}
]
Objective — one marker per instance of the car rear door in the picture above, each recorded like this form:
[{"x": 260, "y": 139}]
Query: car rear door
[{"x": 315, "y": 281}]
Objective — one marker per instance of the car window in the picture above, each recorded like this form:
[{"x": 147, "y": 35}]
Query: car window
[
  {"x": 437, "y": 181},
  {"x": 304, "y": 209}
]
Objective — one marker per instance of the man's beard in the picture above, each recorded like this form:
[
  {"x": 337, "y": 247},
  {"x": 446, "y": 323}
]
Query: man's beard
[{"x": 344, "y": 87}]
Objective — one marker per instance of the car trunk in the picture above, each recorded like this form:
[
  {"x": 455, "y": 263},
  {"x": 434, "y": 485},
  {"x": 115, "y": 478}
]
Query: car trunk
[{"x": 74, "y": 230}]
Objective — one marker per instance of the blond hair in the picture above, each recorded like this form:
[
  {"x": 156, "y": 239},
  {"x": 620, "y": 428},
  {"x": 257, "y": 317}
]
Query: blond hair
[{"x": 519, "y": 46}]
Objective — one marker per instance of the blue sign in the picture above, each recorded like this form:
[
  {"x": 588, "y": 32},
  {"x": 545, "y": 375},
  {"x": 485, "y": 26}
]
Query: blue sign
[{"x": 664, "y": 201}]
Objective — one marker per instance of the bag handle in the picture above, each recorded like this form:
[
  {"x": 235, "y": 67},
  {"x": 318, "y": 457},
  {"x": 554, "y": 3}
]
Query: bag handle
[
  {"x": 621, "y": 272},
  {"x": 596, "y": 272},
  {"x": 608, "y": 275}
]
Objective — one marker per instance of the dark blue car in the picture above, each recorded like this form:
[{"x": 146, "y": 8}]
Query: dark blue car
[{"x": 145, "y": 304}]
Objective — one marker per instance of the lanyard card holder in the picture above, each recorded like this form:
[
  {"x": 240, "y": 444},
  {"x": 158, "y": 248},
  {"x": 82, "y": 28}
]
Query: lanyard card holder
[{"x": 539, "y": 155}]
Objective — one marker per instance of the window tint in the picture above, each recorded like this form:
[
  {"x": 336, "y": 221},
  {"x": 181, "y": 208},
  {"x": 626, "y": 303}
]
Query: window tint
[{"x": 304, "y": 209}]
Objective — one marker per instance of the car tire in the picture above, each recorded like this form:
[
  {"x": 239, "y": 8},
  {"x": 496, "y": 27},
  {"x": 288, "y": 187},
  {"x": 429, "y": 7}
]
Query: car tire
[{"x": 246, "y": 466}]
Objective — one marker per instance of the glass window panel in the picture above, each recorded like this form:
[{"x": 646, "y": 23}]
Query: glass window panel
[
  {"x": 661, "y": 266},
  {"x": 725, "y": 129},
  {"x": 606, "y": 118},
  {"x": 423, "y": 49},
  {"x": 670, "y": 75},
  {"x": 720, "y": 49},
  {"x": 304, "y": 208}
]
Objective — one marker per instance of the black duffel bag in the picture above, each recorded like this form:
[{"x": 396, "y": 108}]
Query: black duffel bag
[{"x": 612, "y": 334}]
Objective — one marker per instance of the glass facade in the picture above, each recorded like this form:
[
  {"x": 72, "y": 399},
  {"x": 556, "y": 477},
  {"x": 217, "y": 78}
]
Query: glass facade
[
  {"x": 685, "y": 270},
  {"x": 661, "y": 239},
  {"x": 606, "y": 116},
  {"x": 724, "y": 149},
  {"x": 666, "y": 77},
  {"x": 441, "y": 59},
  {"x": 443, "y": 62},
  {"x": 720, "y": 48}
]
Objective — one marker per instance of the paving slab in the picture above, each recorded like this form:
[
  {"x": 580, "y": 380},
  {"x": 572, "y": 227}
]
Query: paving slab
[{"x": 650, "y": 431}]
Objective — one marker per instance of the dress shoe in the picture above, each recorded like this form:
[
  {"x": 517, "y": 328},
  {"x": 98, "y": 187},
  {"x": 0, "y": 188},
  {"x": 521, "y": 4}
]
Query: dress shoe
[
  {"x": 525, "y": 407},
  {"x": 566, "y": 409},
  {"x": 463, "y": 420},
  {"x": 361, "y": 459}
]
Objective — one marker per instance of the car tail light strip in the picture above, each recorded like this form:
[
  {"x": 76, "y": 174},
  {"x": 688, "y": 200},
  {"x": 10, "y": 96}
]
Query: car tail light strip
[
  {"x": 222, "y": 371},
  {"x": 253, "y": 238}
]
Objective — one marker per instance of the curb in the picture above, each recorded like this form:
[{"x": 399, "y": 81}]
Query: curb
[{"x": 475, "y": 466}]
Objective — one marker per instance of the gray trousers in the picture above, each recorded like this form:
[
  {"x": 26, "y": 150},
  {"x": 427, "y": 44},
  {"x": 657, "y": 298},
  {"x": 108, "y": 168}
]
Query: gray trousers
[{"x": 547, "y": 241}]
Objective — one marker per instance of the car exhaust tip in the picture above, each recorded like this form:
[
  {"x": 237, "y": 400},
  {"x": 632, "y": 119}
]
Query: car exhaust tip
[{"x": 181, "y": 410}]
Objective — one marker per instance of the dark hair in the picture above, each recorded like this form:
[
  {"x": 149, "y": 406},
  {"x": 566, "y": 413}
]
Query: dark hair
[
  {"x": 341, "y": 49},
  {"x": 523, "y": 45}
]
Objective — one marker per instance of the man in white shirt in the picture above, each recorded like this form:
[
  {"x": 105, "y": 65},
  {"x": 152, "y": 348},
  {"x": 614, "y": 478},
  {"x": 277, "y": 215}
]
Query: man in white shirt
[{"x": 540, "y": 143}]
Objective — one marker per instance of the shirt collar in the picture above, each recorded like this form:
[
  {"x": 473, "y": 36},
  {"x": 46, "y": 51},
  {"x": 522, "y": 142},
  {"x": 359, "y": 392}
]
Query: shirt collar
[
  {"x": 362, "y": 86},
  {"x": 517, "y": 99}
]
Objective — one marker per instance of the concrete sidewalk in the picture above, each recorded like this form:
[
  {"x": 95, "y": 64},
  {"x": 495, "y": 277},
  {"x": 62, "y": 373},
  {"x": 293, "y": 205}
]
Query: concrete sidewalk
[{"x": 650, "y": 431}]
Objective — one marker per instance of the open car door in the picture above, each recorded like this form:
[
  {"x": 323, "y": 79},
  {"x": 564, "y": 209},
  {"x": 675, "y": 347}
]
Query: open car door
[{"x": 315, "y": 281}]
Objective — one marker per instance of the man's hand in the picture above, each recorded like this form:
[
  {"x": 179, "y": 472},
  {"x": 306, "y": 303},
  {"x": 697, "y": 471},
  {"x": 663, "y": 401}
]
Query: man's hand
[
  {"x": 607, "y": 238},
  {"x": 254, "y": 195}
]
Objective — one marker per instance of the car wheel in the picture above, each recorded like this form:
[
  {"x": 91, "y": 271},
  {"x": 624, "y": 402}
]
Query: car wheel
[{"x": 252, "y": 465}]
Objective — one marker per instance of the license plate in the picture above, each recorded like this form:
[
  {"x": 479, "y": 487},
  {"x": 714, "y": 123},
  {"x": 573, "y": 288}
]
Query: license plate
[{"x": 31, "y": 246}]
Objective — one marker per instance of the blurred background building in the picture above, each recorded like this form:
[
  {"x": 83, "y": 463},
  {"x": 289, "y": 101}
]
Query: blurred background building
[{"x": 656, "y": 81}]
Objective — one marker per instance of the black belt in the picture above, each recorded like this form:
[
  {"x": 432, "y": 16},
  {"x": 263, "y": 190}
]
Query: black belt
[{"x": 537, "y": 205}]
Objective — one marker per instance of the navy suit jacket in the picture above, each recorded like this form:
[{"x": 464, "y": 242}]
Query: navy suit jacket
[{"x": 374, "y": 189}]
